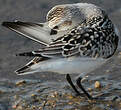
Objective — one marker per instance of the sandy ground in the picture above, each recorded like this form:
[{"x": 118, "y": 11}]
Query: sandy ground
[{"x": 12, "y": 43}]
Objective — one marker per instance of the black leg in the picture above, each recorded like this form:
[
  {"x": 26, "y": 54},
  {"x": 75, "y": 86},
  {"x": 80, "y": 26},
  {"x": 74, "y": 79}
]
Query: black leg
[
  {"x": 78, "y": 81},
  {"x": 71, "y": 83}
]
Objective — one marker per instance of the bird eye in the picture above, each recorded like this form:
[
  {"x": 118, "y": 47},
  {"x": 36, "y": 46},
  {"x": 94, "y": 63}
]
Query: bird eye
[
  {"x": 56, "y": 27},
  {"x": 53, "y": 32}
]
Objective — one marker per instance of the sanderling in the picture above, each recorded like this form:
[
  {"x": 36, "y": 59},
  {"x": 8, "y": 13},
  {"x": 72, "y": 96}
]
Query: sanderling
[{"x": 77, "y": 38}]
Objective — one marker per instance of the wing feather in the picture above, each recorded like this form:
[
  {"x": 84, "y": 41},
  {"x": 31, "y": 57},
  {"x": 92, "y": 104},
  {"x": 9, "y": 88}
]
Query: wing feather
[{"x": 39, "y": 32}]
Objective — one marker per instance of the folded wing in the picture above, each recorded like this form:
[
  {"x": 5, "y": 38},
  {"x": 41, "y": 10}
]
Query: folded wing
[{"x": 39, "y": 32}]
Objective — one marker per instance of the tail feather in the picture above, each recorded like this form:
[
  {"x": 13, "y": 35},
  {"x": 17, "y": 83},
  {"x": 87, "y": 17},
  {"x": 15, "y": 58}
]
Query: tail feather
[
  {"x": 27, "y": 68},
  {"x": 22, "y": 70}
]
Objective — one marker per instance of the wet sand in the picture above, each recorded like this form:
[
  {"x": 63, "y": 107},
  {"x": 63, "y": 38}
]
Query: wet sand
[{"x": 50, "y": 91}]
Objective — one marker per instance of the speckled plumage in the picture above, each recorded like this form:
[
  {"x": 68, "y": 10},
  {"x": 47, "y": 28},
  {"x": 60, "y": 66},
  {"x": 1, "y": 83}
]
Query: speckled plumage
[
  {"x": 79, "y": 30},
  {"x": 93, "y": 38}
]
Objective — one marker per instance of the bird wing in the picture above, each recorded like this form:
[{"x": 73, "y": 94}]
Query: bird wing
[
  {"x": 85, "y": 41},
  {"x": 90, "y": 41},
  {"x": 65, "y": 46},
  {"x": 39, "y": 32}
]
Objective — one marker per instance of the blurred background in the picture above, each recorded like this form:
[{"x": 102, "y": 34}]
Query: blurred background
[{"x": 12, "y": 43}]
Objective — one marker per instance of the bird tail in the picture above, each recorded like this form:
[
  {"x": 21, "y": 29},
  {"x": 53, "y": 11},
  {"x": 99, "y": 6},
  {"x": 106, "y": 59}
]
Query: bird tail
[{"x": 29, "y": 67}]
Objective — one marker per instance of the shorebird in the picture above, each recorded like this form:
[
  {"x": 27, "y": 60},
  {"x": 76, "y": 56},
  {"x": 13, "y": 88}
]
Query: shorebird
[{"x": 77, "y": 38}]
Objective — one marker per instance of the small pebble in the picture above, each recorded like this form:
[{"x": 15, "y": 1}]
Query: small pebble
[
  {"x": 21, "y": 82},
  {"x": 70, "y": 103},
  {"x": 97, "y": 84},
  {"x": 40, "y": 108},
  {"x": 19, "y": 107},
  {"x": 107, "y": 71},
  {"x": 54, "y": 105},
  {"x": 56, "y": 93},
  {"x": 16, "y": 97},
  {"x": 53, "y": 95},
  {"x": 14, "y": 106},
  {"x": 33, "y": 107},
  {"x": 70, "y": 96},
  {"x": 33, "y": 95},
  {"x": 89, "y": 89},
  {"x": 1, "y": 91}
]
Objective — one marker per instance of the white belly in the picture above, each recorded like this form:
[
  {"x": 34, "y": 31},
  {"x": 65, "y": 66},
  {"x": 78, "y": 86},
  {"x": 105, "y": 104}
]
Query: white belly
[{"x": 68, "y": 65}]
